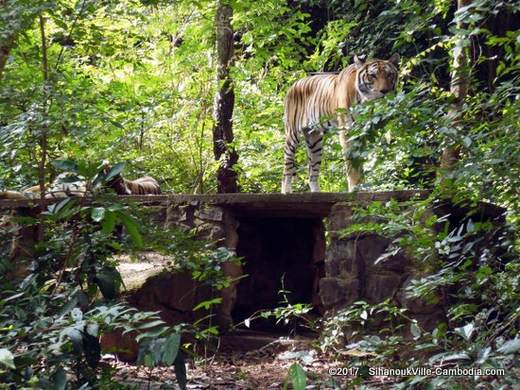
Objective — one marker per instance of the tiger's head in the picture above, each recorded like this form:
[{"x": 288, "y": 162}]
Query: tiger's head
[{"x": 375, "y": 78}]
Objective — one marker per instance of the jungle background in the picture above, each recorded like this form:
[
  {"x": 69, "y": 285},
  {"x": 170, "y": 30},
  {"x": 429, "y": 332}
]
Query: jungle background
[{"x": 136, "y": 82}]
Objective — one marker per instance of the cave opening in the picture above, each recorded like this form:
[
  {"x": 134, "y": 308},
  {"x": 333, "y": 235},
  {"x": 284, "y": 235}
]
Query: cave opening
[{"x": 279, "y": 254}]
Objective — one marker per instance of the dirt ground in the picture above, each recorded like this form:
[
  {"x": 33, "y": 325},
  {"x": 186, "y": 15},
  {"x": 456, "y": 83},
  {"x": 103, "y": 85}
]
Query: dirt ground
[{"x": 237, "y": 366}]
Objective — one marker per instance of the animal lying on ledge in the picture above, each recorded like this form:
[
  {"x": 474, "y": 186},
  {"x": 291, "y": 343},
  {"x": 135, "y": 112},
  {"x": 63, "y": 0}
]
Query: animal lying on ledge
[
  {"x": 145, "y": 185},
  {"x": 60, "y": 188},
  {"x": 29, "y": 193}
]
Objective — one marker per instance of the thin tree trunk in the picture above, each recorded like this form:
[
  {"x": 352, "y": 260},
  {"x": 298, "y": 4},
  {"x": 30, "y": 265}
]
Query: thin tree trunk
[
  {"x": 6, "y": 45},
  {"x": 5, "y": 48},
  {"x": 224, "y": 103},
  {"x": 43, "y": 135},
  {"x": 460, "y": 80}
]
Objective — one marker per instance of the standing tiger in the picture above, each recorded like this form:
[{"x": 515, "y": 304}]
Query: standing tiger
[{"x": 312, "y": 104}]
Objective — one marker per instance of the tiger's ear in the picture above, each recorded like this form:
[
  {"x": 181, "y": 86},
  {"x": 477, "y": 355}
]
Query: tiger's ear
[
  {"x": 359, "y": 60},
  {"x": 394, "y": 60}
]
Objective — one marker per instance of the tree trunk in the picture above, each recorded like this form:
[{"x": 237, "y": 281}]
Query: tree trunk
[
  {"x": 460, "y": 80},
  {"x": 43, "y": 140},
  {"x": 5, "y": 49},
  {"x": 224, "y": 103},
  {"x": 5, "y": 45}
]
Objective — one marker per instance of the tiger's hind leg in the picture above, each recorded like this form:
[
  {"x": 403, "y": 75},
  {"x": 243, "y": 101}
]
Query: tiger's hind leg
[
  {"x": 314, "y": 140},
  {"x": 289, "y": 169}
]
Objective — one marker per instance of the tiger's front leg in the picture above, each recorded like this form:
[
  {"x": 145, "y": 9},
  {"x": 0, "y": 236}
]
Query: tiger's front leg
[{"x": 354, "y": 175}]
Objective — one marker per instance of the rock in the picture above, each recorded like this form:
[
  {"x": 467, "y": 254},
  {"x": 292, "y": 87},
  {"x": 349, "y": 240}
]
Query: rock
[
  {"x": 175, "y": 294},
  {"x": 431, "y": 320},
  {"x": 176, "y": 214},
  {"x": 209, "y": 213},
  {"x": 343, "y": 259},
  {"x": 123, "y": 345},
  {"x": 381, "y": 286},
  {"x": 211, "y": 232},
  {"x": 340, "y": 217},
  {"x": 334, "y": 291},
  {"x": 415, "y": 305}
]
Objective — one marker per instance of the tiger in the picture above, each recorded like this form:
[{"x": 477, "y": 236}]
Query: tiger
[
  {"x": 145, "y": 185},
  {"x": 68, "y": 185},
  {"x": 320, "y": 101},
  {"x": 28, "y": 193}
]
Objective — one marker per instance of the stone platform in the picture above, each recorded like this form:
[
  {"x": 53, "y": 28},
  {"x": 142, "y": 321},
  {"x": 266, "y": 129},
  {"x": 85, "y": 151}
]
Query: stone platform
[{"x": 293, "y": 236}]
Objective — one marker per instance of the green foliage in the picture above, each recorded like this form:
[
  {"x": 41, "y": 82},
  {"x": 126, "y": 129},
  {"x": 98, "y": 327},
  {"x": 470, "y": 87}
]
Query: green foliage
[
  {"x": 134, "y": 81},
  {"x": 297, "y": 377},
  {"x": 52, "y": 319},
  {"x": 469, "y": 267},
  {"x": 359, "y": 318}
]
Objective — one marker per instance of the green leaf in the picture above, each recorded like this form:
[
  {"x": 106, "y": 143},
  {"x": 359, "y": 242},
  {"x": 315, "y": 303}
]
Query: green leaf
[
  {"x": 66, "y": 165},
  {"x": 15, "y": 296},
  {"x": 466, "y": 331},
  {"x": 171, "y": 348},
  {"x": 7, "y": 358},
  {"x": 483, "y": 354},
  {"x": 149, "y": 360},
  {"x": 61, "y": 207},
  {"x": 109, "y": 222},
  {"x": 114, "y": 171},
  {"x": 97, "y": 214},
  {"x": 151, "y": 335},
  {"x": 76, "y": 337},
  {"x": 414, "y": 329},
  {"x": 207, "y": 304},
  {"x": 132, "y": 228},
  {"x": 297, "y": 376},
  {"x": 152, "y": 324},
  {"x": 510, "y": 347},
  {"x": 117, "y": 124},
  {"x": 108, "y": 280},
  {"x": 60, "y": 379}
]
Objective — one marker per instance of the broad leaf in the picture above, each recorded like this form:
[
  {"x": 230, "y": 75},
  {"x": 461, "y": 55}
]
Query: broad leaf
[
  {"x": 114, "y": 171},
  {"x": 171, "y": 348},
  {"x": 60, "y": 379},
  {"x": 298, "y": 377},
  {"x": 7, "y": 358},
  {"x": 65, "y": 165},
  {"x": 109, "y": 222},
  {"x": 131, "y": 226},
  {"x": 510, "y": 346}
]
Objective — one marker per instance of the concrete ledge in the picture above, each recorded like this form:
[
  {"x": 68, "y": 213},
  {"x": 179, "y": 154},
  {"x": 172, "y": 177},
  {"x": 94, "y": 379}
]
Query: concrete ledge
[{"x": 311, "y": 204}]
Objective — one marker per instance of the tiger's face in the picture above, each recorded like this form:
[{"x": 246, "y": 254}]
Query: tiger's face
[{"x": 375, "y": 78}]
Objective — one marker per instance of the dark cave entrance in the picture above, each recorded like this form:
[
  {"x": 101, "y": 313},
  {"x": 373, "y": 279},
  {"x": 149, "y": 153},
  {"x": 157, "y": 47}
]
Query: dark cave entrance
[{"x": 292, "y": 249}]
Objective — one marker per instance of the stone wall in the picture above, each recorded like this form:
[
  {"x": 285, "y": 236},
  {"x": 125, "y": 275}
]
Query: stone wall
[
  {"x": 215, "y": 224},
  {"x": 344, "y": 272},
  {"x": 352, "y": 272}
]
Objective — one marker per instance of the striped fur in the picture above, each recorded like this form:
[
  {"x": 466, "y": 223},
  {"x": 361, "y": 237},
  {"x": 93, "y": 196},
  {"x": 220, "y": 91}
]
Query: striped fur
[
  {"x": 28, "y": 193},
  {"x": 67, "y": 184},
  {"x": 320, "y": 101},
  {"x": 58, "y": 189},
  {"x": 146, "y": 185}
]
